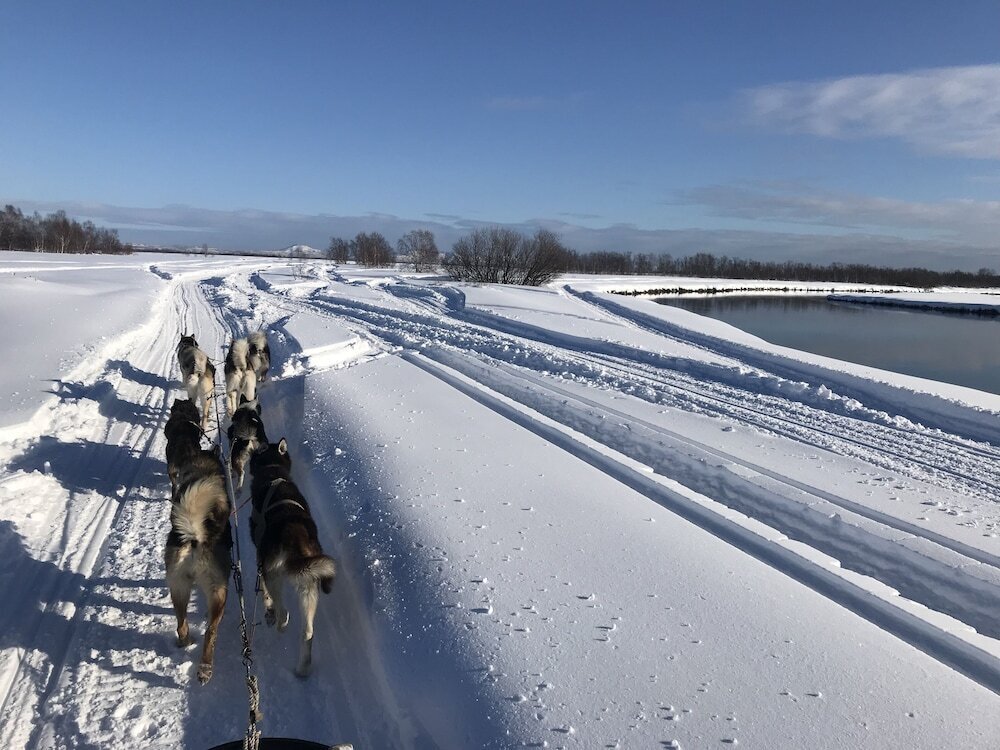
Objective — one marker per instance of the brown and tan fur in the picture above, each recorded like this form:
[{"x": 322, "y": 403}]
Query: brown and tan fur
[
  {"x": 287, "y": 544},
  {"x": 198, "y": 548}
]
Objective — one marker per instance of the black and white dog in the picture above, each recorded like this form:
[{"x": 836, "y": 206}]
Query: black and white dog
[
  {"x": 287, "y": 544},
  {"x": 259, "y": 355},
  {"x": 246, "y": 434},
  {"x": 198, "y": 375},
  {"x": 198, "y": 546},
  {"x": 183, "y": 437},
  {"x": 241, "y": 379}
]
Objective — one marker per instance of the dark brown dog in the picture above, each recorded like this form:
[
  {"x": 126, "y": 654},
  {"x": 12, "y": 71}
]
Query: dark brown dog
[{"x": 287, "y": 544}]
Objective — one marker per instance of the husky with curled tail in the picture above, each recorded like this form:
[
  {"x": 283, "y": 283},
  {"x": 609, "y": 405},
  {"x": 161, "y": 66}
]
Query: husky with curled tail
[
  {"x": 197, "y": 374},
  {"x": 287, "y": 543},
  {"x": 198, "y": 548},
  {"x": 241, "y": 380},
  {"x": 259, "y": 355}
]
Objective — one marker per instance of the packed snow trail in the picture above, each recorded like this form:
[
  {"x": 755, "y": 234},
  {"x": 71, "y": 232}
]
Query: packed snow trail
[
  {"x": 559, "y": 521},
  {"x": 94, "y": 661}
]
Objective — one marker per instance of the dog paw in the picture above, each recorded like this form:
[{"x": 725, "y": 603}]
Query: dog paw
[
  {"x": 283, "y": 624},
  {"x": 269, "y": 618},
  {"x": 303, "y": 670},
  {"x": 185, "y": 641},
  {"x": 204, "y": 673}
]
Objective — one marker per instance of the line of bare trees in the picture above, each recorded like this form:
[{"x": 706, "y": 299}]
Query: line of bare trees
[
  {"x": 723, "y": 267},
  {"x": 56, "y": 233}
]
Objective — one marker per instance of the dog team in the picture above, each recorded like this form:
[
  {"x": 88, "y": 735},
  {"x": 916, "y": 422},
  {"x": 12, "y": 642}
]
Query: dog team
[{"x": 199, "y": 544}]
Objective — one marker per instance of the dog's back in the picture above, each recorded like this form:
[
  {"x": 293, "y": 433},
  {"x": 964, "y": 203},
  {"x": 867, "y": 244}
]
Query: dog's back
[
  {"x": 246, "y": 434},
  {"x": 241, "y": 379},
  {"x": 197, "y": 373},
  {"x": 183, "y": 435}
]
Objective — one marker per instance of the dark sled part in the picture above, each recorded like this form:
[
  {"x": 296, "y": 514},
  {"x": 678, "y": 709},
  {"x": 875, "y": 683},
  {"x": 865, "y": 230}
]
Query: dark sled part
[{"x": 284, "y": 743}]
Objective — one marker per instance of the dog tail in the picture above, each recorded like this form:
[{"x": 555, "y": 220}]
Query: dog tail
[
  {"x": 238, "y": 352},
  {"x": 321, "y": 569},
  {"x": 198, "y": 510}
]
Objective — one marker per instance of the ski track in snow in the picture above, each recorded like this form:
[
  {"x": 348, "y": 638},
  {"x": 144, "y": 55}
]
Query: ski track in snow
[
  {"x": 944, "y": 574},
  {"x": 91, "y": 661}
]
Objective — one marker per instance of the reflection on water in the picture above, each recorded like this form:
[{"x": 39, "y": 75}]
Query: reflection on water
[{"x": 960, "y": 349}]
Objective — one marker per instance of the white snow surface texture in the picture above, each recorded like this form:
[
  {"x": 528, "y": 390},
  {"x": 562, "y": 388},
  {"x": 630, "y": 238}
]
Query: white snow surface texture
[{"x": 562, "y": 518}]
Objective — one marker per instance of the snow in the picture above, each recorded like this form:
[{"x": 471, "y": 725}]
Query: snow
[{"x": 563, "y": 518}]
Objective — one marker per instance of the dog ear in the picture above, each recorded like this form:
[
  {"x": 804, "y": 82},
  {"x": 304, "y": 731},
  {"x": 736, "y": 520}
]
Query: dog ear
[
  {"x": 244, "y": 399},
  {"x": 283, "y": 447}
]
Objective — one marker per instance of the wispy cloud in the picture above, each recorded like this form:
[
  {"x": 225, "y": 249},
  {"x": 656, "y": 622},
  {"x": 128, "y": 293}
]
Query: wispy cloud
[
  {"x": 954, "y": 111},
  {"x": 976, "y": 222}
]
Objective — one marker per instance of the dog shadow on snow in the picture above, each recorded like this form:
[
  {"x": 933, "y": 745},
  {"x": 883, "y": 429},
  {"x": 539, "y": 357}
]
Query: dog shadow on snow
[
  {"x": 83, "y": 466},
  {"x": 36, "y": 619},
  {"x": 109, "y": 404}
]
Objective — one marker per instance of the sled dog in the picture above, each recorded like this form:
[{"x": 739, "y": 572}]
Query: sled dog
[
  {"x": 198, "y": 548},
  {"x": 287, "y": 543},
  {"x": 246, "y": 434},
  {"x": 241, "y": 380},
  {"x": 198, "y": 374},
  {"x": 259, "y": 356},
  {"x": 183, "y": 437}
]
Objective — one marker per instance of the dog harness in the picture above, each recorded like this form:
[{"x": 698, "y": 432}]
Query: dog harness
[{"x": 258, "y": 517}]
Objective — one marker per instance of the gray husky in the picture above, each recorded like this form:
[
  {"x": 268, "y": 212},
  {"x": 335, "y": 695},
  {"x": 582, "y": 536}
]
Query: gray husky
[
  {"x": 246, "y": 434},
  {"x": 287, "y": 543},
  {"x": 198, "y": 548},
  {"x": 198, "y": 374},
  {"x": 241, "y": 380},
  {"x": 259, "y": 355}
]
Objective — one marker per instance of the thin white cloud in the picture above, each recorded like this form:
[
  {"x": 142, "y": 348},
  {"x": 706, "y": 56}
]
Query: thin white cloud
[
  {"x": 953, "y": 111},
  {"x": 968, "y": 221}
]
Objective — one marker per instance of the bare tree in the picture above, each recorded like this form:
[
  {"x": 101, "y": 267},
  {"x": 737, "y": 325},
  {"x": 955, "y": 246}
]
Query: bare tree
[
  {"x": 420, "y": 249},
  {"x": 339, "y": 250},
  {"x": 503, "y": 256},
  {"x": 372, "y": 250}
]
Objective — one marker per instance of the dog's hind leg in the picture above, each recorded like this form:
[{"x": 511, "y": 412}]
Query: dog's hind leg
[
  {"x": 180, "y": 595},
  {"x": 308, "y": 599},
  {"x": 207, "y": 397},
  {"x": 274, "y": 608},
  {"x": 216, "y": 607}
]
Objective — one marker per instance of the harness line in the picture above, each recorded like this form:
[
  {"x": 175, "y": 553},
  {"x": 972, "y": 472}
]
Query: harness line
[{"x": 251, "y": 740}]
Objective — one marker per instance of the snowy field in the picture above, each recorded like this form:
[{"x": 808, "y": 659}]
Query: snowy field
[{"x": 563, "y": 519}]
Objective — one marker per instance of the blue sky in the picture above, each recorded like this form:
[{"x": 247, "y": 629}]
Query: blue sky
[{"x": 820, "y": 130}]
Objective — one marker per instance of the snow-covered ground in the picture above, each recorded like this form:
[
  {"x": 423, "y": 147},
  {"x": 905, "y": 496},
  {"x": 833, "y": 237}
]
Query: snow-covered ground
[{"x": 563, "y": 519}]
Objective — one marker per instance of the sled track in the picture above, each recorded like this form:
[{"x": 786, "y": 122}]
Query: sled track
[{"x": 480, "y": 353}]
